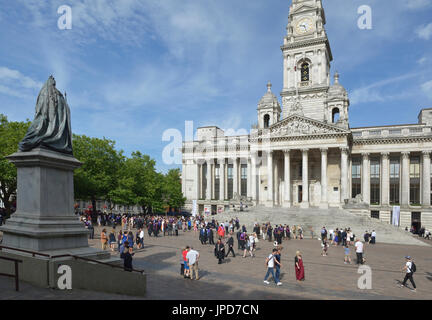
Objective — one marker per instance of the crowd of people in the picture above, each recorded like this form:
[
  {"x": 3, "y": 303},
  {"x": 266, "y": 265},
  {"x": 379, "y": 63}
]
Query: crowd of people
[{"x": 222, "y": 236}]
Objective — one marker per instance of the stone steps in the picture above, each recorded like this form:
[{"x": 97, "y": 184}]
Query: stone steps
[{"x": 316, "y": 218}]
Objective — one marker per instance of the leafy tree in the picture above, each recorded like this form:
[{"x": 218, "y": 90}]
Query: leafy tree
[
  {"x": 172, "y": 189},
  {"x": 11, "y": 133},
  {"x": 99, "y": 173}
]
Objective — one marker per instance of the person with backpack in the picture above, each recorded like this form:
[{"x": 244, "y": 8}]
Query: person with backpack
[
  {"x": 270, "y": 264},
  {"x": 409, "y": 268}
]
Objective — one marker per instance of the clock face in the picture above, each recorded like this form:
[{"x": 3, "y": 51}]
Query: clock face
[{"x": 304, "y": 25}]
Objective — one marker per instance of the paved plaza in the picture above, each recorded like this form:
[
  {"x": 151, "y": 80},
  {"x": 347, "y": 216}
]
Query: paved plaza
[{"x": 242, "y": 278}]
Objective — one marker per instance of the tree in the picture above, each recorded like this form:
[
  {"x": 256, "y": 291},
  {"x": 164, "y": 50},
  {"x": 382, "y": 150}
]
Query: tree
[
  {"x": 11, "y": 133},
  {"x": 99, "y": 174},
  {"x": 172, "y": 189}
]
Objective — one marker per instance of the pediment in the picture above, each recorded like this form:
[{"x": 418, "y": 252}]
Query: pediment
[{"x": 296, "y": 125}]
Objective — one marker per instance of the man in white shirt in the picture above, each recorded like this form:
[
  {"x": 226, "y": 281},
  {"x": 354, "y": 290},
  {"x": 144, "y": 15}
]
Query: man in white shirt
[
  {"x": 359, "y": 251},
  {"x": 409, "y": 272},
  {"x": 270, "y": 263},
  {"x": 373, "y": 237},
  {"x": 192, "y": 257}
]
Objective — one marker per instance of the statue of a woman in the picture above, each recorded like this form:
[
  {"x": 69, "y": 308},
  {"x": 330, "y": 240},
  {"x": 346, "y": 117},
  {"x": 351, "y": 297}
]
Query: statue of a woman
[{"x": 51, "y": 127}]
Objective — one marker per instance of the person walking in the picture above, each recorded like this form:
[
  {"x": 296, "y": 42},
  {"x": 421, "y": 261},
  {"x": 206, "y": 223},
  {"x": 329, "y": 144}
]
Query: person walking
[
  {"x": 270, "y": 264},
  {"x": 409, "y": 269},
  {"x": 185, "y": 262},
  {"x": 126, "y": 255},
  {"x": 192, "y": 258},
  {"x": 140, "y": 238},
  {"x": 347, "y": 258},
  {"x": 104, "y": 239},
  {"x": 112, "y": 240},
  {"x": 230, "y": 244},
  {"x": 359, "y": 251},
  {"x": 373, "y": 237},
  {"x": 299, "y": 268},
  {"x": 278, "y": 265},
  {"x": 219, "y": 251}
]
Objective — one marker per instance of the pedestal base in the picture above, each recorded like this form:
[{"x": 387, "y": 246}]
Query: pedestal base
[{"x": 45, "y": 218}]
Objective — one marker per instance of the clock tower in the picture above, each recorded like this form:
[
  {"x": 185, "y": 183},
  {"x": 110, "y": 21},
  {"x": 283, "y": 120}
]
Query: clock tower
[{"x": 307, "y": 56}]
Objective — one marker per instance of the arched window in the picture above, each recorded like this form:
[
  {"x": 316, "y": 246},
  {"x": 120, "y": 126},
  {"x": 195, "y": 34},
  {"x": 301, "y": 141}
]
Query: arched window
[
  {"x": 266, "y": 121},
  {"x": 335, "y": 115},
  {"x": 305, "y": 72}
]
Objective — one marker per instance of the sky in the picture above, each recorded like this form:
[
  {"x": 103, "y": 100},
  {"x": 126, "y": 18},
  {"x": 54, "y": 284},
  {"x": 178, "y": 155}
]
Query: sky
[{"x": 134, "y": 69}]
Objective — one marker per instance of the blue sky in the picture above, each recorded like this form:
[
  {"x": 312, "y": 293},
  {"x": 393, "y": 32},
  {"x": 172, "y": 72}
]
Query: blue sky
[{"x": 133, "y": 69}]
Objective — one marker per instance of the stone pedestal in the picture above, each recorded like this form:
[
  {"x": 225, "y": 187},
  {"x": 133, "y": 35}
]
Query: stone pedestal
[{"x": 45, "y": 220}]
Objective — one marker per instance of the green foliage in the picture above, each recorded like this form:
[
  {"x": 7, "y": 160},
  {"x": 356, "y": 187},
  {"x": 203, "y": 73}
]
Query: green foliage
[
  {"x": 106, "y": 174},
  {"x": 11, "y": 133},
  {"x": 99, "y": 173}
]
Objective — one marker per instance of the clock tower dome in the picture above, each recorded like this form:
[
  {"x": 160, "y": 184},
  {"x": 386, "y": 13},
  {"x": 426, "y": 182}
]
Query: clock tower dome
[{"x": 307, "y": 56}]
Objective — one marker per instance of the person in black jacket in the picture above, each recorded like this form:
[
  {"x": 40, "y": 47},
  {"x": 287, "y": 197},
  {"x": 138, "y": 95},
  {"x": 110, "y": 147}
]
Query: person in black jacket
[
  {"x": 219, "y": 250},
  {"x": 210, "y": 236},
  {"x": 126, "y": 255},
  {"x": 230, "y": 243}
]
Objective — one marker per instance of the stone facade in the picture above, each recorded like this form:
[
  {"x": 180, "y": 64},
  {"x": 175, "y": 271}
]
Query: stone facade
[{"x": 305, "y": 153}]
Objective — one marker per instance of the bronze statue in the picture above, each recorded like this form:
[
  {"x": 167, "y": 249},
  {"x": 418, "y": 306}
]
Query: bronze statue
[{"x": 51, "y": 127}]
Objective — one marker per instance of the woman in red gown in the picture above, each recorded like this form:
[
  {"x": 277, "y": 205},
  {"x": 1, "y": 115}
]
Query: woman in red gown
[{"x": 299, "y": 268}]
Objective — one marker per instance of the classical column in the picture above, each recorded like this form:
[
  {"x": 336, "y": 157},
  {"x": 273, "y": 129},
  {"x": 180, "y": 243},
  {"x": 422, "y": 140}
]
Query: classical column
[
  {"x": 209, "y": 179},
  {"x": 213, "y": 175},
  {"x": 183, "y": 175},
  {"x": 254, "y": 175},
  {"x": 222, "y": 179},
  {"x": 287, "y": 178},
  {"x": 344, "y": 174},
  {"x": 324, "y": 200},
  {"x": 249, "y": 177},
  {"x": 198, "y": 180},
  {"x": 426, "y": 181},
  {"x": 405, "y": 179},
  {"x": 385, "y": 179},
  {"x": 365, "y": 178},
  {"x": 270, "y": 177},
  {"x": 305, "y": 180},
  {"x": 235, "y": 177}
]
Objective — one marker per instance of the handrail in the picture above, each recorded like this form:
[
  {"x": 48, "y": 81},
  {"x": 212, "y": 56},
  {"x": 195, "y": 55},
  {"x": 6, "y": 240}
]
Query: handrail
[
  {"x": 33, "y": 253},
  {"x": 95, "y": 261},
  {"x": 16, "y": 275}
]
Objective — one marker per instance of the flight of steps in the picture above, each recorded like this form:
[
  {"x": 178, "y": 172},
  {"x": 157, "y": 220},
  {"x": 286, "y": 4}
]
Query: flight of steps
[{"x": 316, "y": 218}]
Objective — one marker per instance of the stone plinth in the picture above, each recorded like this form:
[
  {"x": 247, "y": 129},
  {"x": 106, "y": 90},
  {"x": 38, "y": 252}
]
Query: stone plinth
[{"x": 45, "y": 218}]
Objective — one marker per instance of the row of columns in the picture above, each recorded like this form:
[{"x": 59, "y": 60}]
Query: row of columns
[
  {"x": 210, "y": 178},
  {"x": 305, "y": 176},
  {"x": 253, "y": 177},
  {"x": 404, "y": 178}
]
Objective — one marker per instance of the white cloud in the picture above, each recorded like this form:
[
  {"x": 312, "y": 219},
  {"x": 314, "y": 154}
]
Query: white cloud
[
  {"x": 10, "y": 75},
  {"x": 425, "y": 32},
  {"x": 375, "y": 91},
  {"x": 417, "y": 4},
  {"x": 427, "y": 89},
  {"x": 422, "y": 60}
]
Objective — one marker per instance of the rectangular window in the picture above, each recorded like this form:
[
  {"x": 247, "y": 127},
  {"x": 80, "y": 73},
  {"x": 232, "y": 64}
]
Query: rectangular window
[
  {"x": 374, "y": 181},
  {"x": 355, "y": 171},
  {"x": 394, "y": 168},
  {"x": 217, "y": 182},
  {"x": 230, "y": 181},
  {"x": 375, "y": 214},
  {"x": 394, "y": 181},
  {"x": 415, "y": 167},
  {"x": 415, "y": 181},
  {"x": 243, "y": 180},
  {"x": 356, "y": 177}
]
